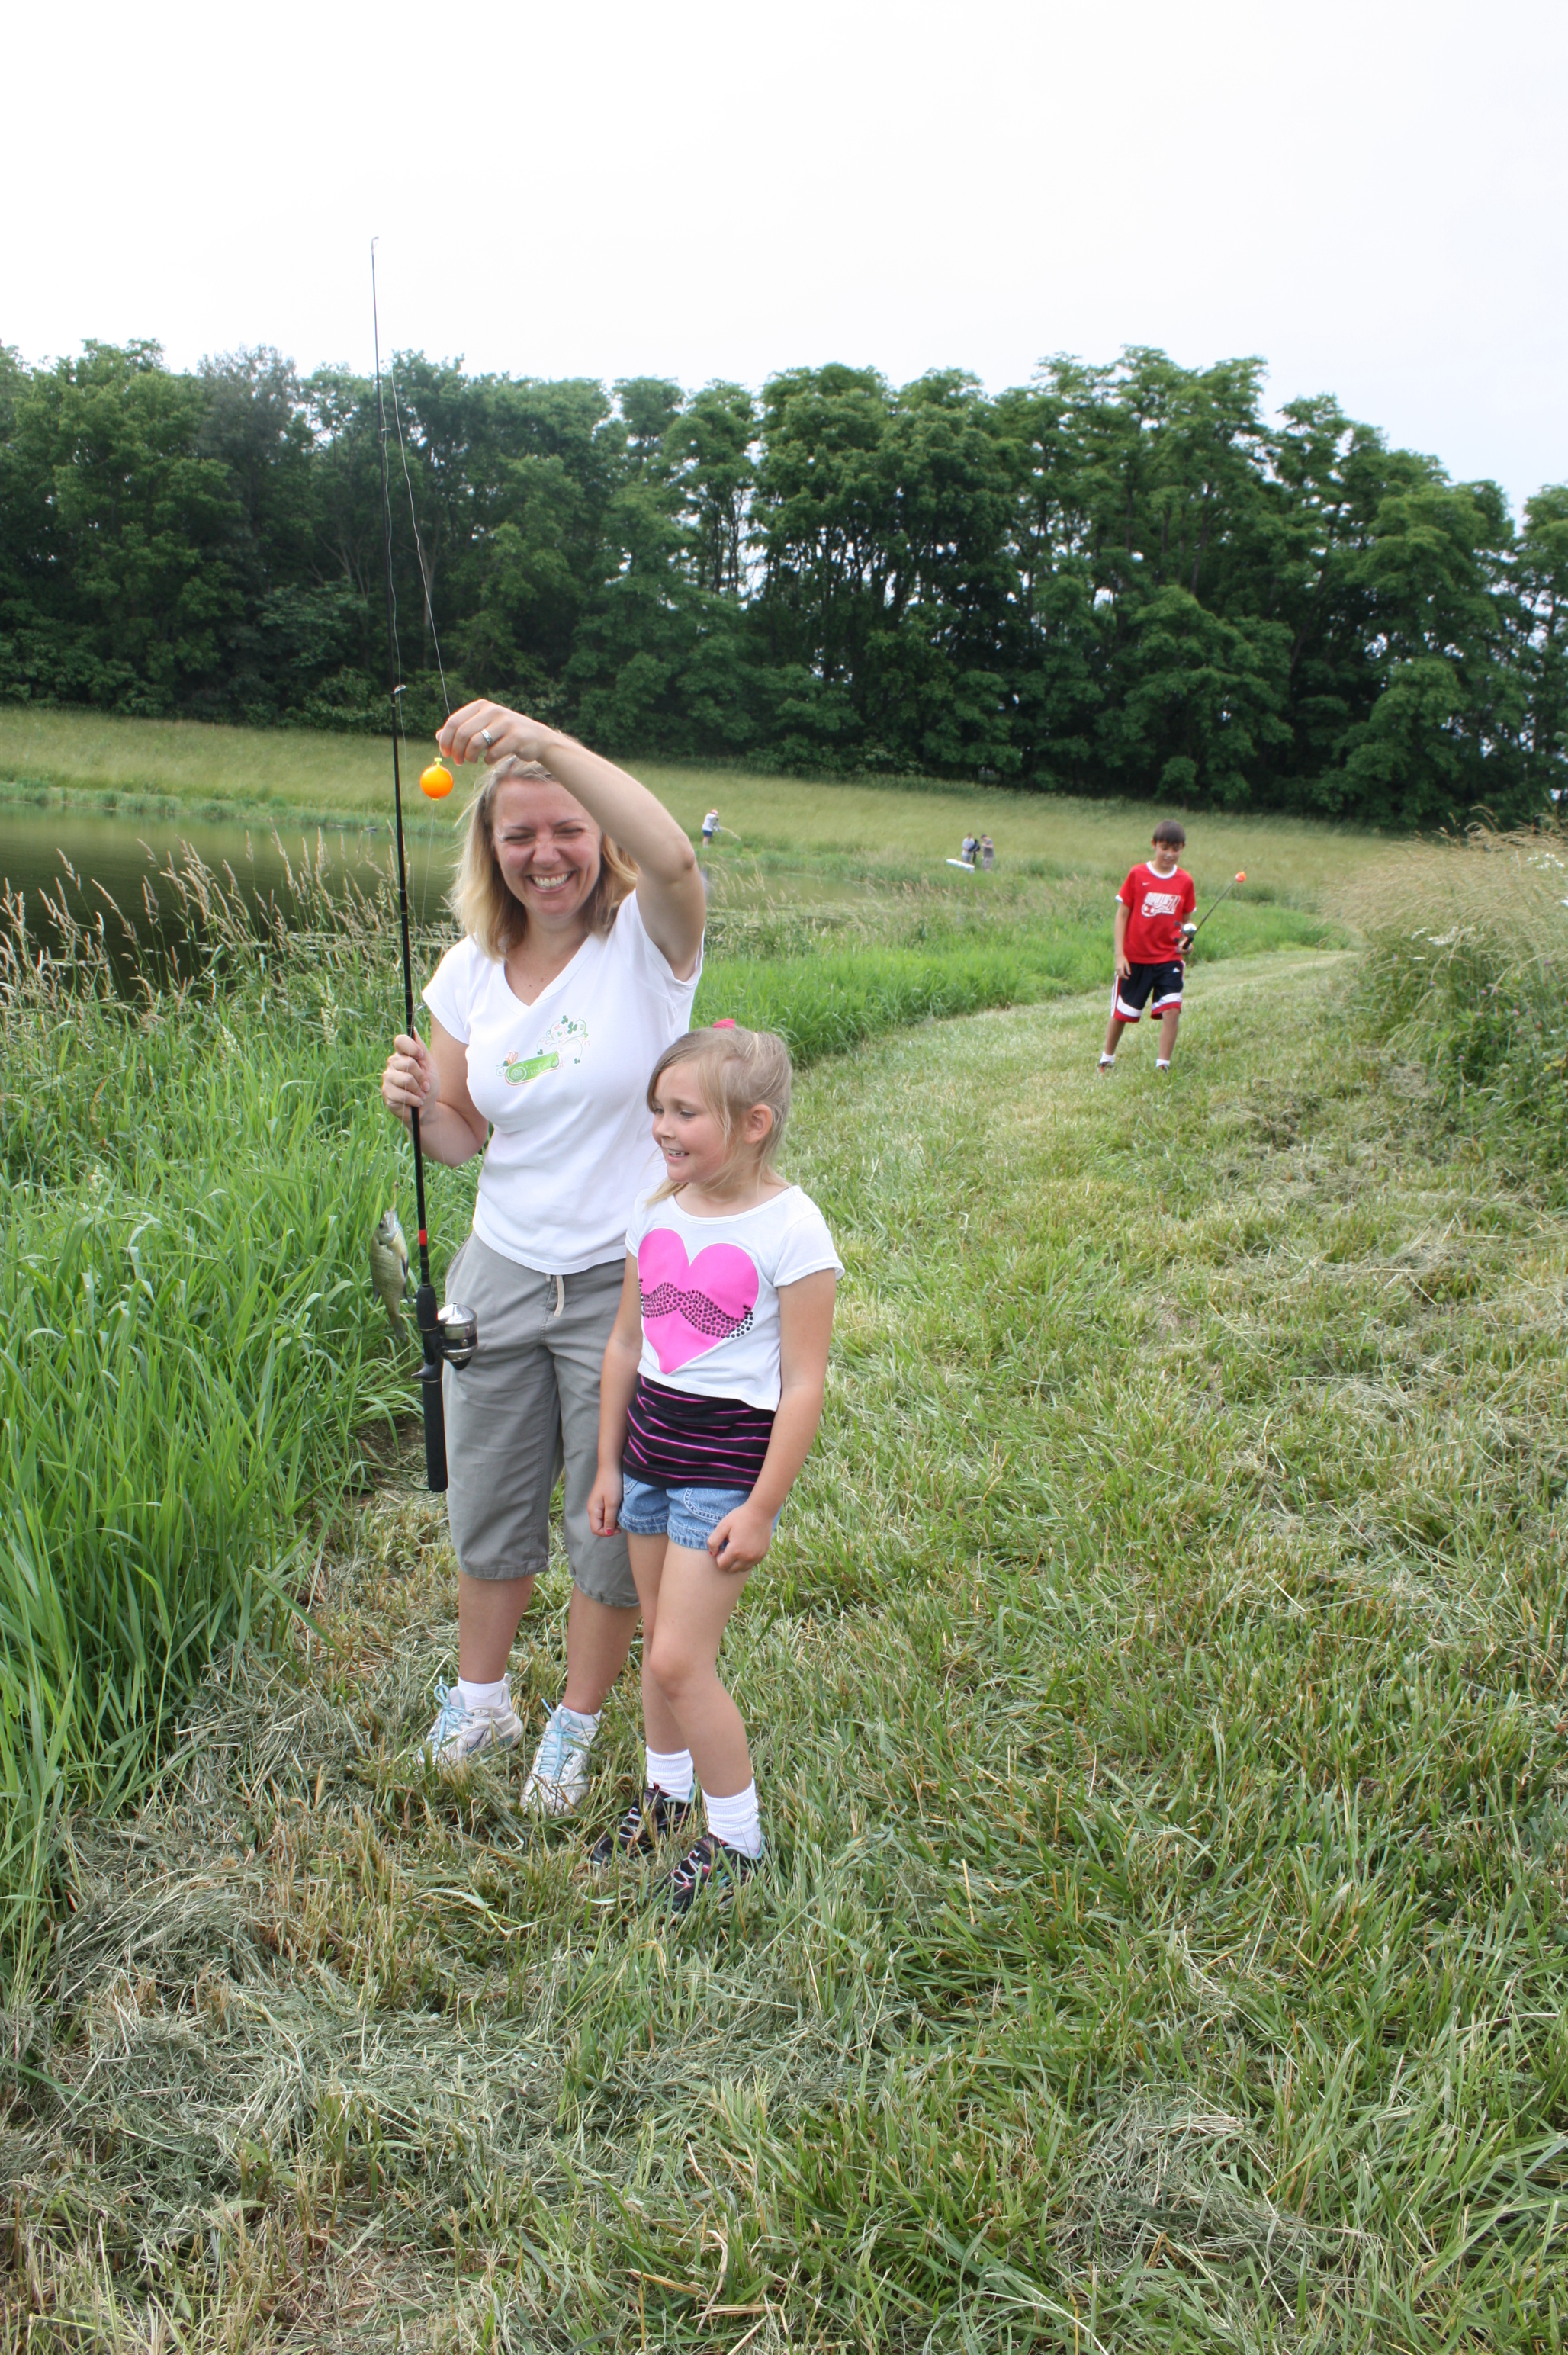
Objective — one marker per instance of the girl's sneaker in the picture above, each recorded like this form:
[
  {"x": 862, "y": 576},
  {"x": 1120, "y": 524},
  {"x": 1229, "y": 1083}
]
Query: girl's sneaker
[
  {"x": 560, "y": 1772},
  {"x": 711, "y": 1864},
  {"x": 460, "y": 1732},
  {"x": 642, "y": 1828}
]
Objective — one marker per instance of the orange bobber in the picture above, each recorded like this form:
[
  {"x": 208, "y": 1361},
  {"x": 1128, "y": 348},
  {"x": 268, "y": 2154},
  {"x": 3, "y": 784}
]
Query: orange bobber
[{"x": 436, "y": 782}]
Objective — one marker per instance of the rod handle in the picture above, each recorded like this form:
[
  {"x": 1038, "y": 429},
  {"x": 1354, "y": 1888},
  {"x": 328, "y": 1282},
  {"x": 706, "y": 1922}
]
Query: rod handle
[{"x": 425, "y": 1316}]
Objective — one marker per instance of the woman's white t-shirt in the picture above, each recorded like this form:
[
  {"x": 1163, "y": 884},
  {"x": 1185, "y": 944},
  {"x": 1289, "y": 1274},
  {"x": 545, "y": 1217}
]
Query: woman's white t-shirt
[
  {"x": 563, "y": 1083},
  {"x": 710, "y": 1291}
]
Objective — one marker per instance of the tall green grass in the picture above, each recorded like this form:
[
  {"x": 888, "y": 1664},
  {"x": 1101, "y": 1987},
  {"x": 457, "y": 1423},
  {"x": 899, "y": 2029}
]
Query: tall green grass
[
  {"x": 1467, "y": 975},
  {"x": 188, "y": 1352}
]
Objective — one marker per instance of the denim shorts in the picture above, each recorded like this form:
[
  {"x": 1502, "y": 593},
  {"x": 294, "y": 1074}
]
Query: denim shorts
[{"x": 651, "y": 1508}]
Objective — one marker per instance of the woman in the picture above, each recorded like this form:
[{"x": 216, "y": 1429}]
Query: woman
[{"x": 582, "y": 906}]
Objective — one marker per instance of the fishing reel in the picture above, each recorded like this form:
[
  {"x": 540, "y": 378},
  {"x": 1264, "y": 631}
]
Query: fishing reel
[
  {"x": 459, "y": 1330},
  {"x": 449, "y": 1336}
]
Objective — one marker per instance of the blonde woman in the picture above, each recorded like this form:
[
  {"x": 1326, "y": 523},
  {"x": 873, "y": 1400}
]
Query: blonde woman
[{"x": 581, "y": 905}]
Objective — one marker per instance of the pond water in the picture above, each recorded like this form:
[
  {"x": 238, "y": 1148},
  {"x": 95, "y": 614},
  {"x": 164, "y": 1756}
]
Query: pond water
[{"x": 124, "y": 855}]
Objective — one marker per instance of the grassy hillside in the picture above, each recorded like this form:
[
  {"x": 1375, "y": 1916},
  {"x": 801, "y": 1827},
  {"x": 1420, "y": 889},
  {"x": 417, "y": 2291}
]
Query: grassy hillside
[
  {"x": 164, "y": 767},
  {"x": 1158, "y": 1690}
]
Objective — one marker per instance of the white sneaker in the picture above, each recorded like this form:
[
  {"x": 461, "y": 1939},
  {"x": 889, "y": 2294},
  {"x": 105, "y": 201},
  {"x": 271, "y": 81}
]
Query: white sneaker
[
  {"x": 560, "y": 1772},
  {"x": 460, "y": 1732}
]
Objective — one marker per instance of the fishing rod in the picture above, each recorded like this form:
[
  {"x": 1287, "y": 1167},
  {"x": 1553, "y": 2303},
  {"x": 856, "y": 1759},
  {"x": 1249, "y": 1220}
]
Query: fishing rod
[
  {"x": 450, "y": 1334},
  {"x": 1193, "y": 930}
]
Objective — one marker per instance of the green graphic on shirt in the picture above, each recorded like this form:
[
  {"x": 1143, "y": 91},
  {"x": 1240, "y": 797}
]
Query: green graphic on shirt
[{"x": 570, "y": 1038}]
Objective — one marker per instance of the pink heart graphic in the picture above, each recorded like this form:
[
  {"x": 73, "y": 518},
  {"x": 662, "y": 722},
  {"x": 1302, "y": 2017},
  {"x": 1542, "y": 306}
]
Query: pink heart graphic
[{"x": 690, "y": 1305}]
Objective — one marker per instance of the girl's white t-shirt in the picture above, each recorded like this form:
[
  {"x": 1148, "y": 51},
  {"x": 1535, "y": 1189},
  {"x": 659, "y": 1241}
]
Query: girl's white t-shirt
[
  {"x": 710, "y": 1291},
  {"x": 563, "y": 1083}
]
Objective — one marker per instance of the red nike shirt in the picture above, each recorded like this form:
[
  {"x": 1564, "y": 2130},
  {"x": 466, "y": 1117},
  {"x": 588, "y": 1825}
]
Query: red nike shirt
[{"x": 1156, "y": 905}]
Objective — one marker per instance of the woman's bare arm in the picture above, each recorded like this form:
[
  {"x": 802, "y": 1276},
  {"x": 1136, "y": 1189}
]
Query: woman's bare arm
[
  {"x": 434, "y": 1081},
  {"x": 669, "y": 890}
]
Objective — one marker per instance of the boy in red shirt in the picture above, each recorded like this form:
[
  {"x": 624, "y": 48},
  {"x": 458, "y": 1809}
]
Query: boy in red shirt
[{"x": 1151, "y": 943}]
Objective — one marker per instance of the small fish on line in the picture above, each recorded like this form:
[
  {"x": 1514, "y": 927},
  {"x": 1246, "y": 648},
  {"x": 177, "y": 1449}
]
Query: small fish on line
[{"x": 390, "y": 1271}]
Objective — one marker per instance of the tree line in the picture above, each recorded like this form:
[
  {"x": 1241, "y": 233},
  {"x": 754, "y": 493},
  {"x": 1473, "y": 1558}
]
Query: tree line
[{"x": 1117, "y": 579}]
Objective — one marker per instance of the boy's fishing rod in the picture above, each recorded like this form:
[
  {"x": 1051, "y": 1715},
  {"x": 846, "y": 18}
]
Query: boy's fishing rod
[
  {"x": 1193, "y": 932},
  {"x": 448, "y": 1332}
]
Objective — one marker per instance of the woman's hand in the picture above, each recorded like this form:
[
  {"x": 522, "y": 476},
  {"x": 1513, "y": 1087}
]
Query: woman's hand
[
  {"x": 669, "y": 887},
  {"x": 741, "y": 1538},
  {"x": 410, "y": 1082},
  {"x": 604, "y": 1502},
  {"x": 489, "y": 732}
]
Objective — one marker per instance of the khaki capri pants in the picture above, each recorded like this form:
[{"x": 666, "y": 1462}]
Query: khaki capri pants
[{"x": 526, "y": 1405}]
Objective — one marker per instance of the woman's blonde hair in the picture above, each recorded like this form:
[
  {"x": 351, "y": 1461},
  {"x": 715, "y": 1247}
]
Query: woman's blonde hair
[
  {"x": 482, "y": 905},
  {"x": 735, "y": 1069}
]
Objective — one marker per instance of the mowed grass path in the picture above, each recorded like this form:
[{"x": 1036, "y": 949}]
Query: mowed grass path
[{"x": 1158, "y": 1690}]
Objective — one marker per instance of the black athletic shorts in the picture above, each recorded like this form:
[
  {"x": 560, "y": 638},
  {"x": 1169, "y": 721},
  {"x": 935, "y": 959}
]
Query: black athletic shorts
[{"x": 1157, "y": 986}]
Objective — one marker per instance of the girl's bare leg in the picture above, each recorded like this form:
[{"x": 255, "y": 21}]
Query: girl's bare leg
[
  {"x": 660, "y": 1731},
  {"x": 680, "y": 1655}
]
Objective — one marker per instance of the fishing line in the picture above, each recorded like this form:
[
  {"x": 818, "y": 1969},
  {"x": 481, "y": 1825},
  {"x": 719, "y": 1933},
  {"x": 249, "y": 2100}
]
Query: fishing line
[
  {"x": 419, "y": 544},
  {"x": 449, "y": 1333},
  {"x": 424, "y": 585}
]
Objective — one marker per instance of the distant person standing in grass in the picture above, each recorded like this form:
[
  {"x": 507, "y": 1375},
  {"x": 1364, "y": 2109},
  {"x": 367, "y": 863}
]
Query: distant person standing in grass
[
  {"x": 987, "y": 853},
  {"x": 710, "y": 828},
  {"x": 711, "y": 1399},
  {"x": 1151, "y": 944},
  {"x": 583, "y": 908}
]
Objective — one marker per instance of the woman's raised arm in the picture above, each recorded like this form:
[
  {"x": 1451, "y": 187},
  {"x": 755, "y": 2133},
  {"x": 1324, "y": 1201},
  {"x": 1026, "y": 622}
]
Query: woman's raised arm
[{"x": 669, "y": 889}]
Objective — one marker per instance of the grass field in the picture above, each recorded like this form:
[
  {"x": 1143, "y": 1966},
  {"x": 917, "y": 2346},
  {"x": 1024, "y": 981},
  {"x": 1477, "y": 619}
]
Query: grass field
[
  {"x": 1159, "y": 1683},
  {"x": 1157, "y": 1687},
  {"x": 159, "y": 768}
]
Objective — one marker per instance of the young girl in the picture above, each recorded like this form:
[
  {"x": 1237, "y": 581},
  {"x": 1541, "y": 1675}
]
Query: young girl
[{"x": 711, "y": 1399}]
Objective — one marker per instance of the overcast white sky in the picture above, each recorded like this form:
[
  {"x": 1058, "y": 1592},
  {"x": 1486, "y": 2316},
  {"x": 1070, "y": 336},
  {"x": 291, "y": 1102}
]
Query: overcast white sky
[{"x": 1367, "y": 192}]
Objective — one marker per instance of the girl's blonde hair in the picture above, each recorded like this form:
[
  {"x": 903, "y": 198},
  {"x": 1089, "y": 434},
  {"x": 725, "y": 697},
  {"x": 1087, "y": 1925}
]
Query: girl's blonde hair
[
  {"x": 735, "y": 1069},
  {"x": 487, "y": 911}
]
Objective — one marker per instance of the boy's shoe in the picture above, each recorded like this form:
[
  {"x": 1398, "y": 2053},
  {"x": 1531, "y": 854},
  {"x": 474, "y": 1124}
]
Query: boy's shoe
[
  {"x": 460, "y": 1732},
  {"x": 1108, "y": 1063},
  {"x": 711, "y": 1864},
  {"x": 642, "y": 1828},
  {"x": 560, "y": 1772}
]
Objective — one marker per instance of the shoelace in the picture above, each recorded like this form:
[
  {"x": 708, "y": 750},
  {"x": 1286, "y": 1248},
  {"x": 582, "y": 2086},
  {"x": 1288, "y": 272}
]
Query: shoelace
[
  {"x": 696, "y": 1866},
  {"x": 450, "y": 1713},
  {"x": 555, "y": 1747}
]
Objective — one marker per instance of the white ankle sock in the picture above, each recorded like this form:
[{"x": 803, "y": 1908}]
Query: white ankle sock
[
  {"x": 736, "y": 1820},
  {"x": 671, "y": 1771},
  {"x": 1162, "y": 1064},
  {"x": 484, "y": 1697},
  {"x": 1106, "y": 1061},
  {"x": 579, "y": 1724}
]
